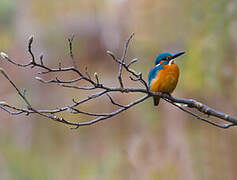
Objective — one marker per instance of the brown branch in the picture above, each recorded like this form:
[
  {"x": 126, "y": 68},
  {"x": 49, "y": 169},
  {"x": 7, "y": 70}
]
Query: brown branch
[
  {"x": 183, "y": 104},
  {"x": 199, "y": 117},
  {"x": 111, "y": 114},
  {"x": 203, "y": 109},
  {"x": 16, "y": 88},
  {"x": 30, "y": 41},
  {"x": 113, "y": 102},
  {"x": 123, "y": 60},
  {"x": 57, "y": 80},
  {"x": 70, "y": 41}
]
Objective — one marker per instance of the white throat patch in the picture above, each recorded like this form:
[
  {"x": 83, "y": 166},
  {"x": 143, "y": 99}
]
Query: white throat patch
[{"x": 171, "y": 61}]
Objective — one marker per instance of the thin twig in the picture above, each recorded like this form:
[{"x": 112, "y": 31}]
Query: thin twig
[
  {"x": 30, "y": 41},
  {"x": 113, "y": 102},
  {"x": 123, "y": 59},
  {"x": 70, "y": 41}
]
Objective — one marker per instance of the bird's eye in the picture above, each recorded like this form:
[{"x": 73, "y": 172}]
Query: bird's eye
[{"x": 168, "y": 57}]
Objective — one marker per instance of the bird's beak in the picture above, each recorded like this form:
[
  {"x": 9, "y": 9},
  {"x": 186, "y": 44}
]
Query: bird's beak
[{"x": 177, "y": 54}]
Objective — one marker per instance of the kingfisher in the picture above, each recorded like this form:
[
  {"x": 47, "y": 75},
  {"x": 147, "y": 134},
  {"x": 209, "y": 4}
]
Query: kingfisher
[{"x": 164, "y": 76}]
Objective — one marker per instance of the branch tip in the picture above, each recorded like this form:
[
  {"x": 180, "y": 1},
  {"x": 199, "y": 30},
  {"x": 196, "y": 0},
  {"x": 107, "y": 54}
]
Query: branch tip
[
  {"x": 30, "y": 40},
  {"x": 41, "y": 59},
  {"x": 2, "y": 71},
  {"x": 111, "y": 54},
  {"x": 3, "y": 103},
  {"x": 3, "y": 55},
  {"x": 96, "y": 77},
  {"x": 39, "y": 79}
]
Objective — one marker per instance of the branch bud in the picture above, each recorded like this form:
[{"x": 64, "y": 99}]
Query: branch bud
[
  {"x": 41, "y": 59},
  {"x": 41, "y": 56},
  {"x": 3, "y": 103},
  {"x": 30, "y": 40},
  {"x": 39, "y": 79},
  {"x": 2, "y": 71},
  {"x": 110, "y": 53},
  {"x": 4, "y": 55},
  {"x": 96, "y": 75}
]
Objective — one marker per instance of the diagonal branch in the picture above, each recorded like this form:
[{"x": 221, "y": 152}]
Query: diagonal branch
[
  {"x": 202, "y": 108},
  {"x": 200, "y": 117},
  {"x": 113, "y": 102}
]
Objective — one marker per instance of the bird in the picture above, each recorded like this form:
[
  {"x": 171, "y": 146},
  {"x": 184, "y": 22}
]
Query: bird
[{"x": 164, "y": 76}]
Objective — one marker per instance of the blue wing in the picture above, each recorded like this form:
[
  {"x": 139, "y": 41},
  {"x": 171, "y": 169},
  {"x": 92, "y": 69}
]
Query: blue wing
[{"x": 153, "y": 72}]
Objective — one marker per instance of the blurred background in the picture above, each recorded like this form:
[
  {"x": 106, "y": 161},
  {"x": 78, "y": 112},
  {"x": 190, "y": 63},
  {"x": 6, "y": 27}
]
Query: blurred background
[{"x": 145, "y": 142}]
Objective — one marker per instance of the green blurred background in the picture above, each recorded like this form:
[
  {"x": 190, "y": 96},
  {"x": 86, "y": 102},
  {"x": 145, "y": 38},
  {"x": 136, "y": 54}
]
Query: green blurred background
[{"x": 144, "y": 142}]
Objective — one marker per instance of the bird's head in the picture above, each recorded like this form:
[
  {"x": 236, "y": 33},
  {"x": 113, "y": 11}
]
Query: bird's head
[{"x": 167, "y": 56}]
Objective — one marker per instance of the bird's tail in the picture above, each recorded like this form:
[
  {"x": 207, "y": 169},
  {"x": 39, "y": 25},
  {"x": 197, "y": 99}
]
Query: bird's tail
[{"x": 156, "y": 100}]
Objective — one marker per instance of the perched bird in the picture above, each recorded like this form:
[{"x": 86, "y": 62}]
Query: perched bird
[{"x": 164, "y": 76}]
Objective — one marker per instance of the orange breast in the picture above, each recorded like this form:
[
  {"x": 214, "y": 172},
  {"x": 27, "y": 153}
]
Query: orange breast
[{"x": 166, "y": 79}]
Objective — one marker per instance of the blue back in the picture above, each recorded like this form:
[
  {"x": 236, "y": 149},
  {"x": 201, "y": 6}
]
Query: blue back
[
  {"x": 161, "y": 57},
  {"x": 153, "y": 72}
]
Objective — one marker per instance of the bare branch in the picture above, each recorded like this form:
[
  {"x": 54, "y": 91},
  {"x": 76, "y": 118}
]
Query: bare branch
[
  {"x": 76, "y": 87},
  {"x": 12, "y": 83},
  {"x": 199, "y": 117},
  {"x": 123, "y": 59},
  {"x": 97, "y": 78},
  {"x": 87, "y": 73},
  {"x": 113, "y": 56},
  {"x": 95, "y": 84},
  {"x": 202, "y": 108},
  {"x": 56, "y": 80},
  {"x": 112, "y": 101},
  {"x": 30, "y": 41},
  {"x": 132, "y": 62},
  {"x": 77, "y": 111},
  {"x": 41, "y": 59},
  {"x": 11, "y": 112},
  {"x": 70, "y": 41},
  {"x": 113, "y": 113}
]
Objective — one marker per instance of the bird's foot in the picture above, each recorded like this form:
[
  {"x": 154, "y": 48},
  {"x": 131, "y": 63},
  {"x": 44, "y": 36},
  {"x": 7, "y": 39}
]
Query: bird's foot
[{"x": 167, "y": 94}]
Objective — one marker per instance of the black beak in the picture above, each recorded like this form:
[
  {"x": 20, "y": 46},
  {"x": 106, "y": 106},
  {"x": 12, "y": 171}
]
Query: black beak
[{"x": 177, "y": 54}]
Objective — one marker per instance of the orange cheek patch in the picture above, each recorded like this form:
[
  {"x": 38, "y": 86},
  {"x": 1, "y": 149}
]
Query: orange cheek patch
[{"x": 161, "y": 62}]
